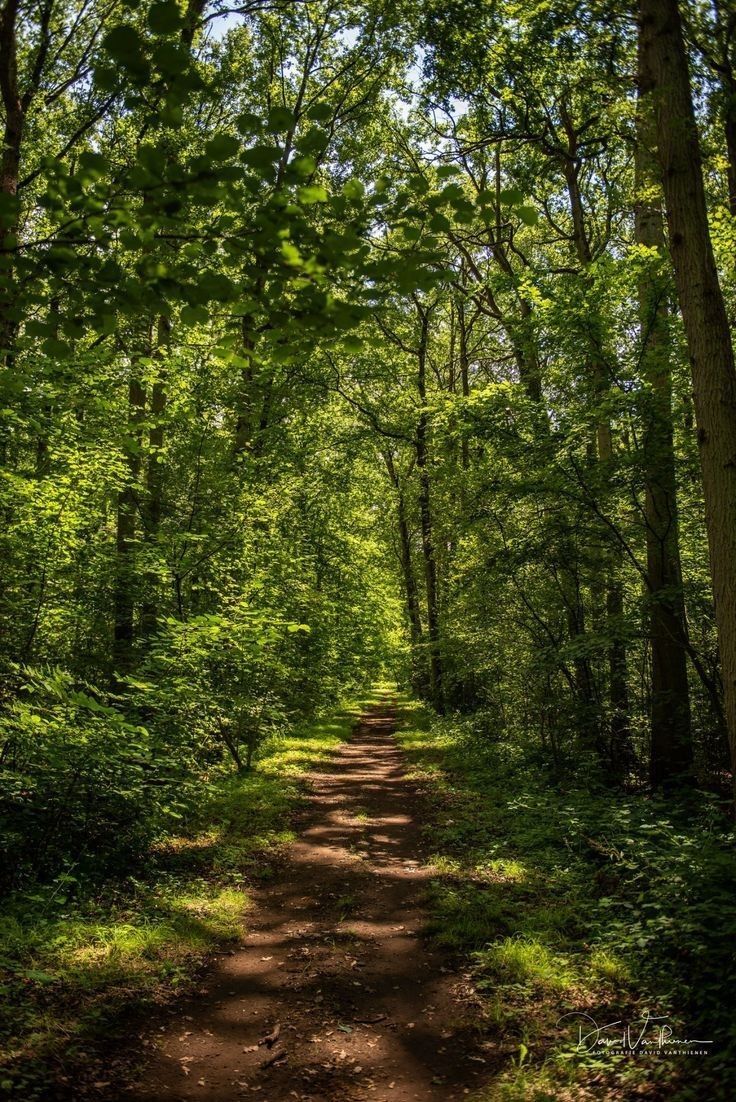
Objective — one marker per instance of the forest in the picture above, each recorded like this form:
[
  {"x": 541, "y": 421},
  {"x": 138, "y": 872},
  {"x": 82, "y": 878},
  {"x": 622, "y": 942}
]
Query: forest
[{"x": 368, "y": 458}]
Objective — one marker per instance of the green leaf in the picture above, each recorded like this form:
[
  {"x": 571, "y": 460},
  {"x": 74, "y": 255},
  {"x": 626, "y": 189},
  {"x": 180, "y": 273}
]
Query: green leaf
[
  {"x": 280, "y": 118},
  {"x": 439, "y": 222},
  {"x": 221, "y": 147},
  {"x": 511, "y": 196},
  {"x": 320, "y": 112},
  {"x": 260, "y": 157},
  {"x": 93, "y": 164},
  {"x": 122, "y": 42},
  {"x": 528, "y": 215},
  {"x": 248, "y": 123},
  {"x": 353, "y": 190},
  {"x": 314, "y": 193},
  {"x": 194, "y": 315},
  {"x": 164, "y": 17},
  {"x": 38, "y": 976}
]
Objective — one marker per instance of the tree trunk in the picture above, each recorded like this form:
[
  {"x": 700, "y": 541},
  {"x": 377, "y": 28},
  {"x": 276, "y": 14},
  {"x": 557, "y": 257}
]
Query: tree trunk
[
  {"x": 12, "y": 140},
  {"x": 664, "y": 76},
  {"x": 436, "y": 687},
  {"x": 411, "y": 592},
  {"x": 464, "y": 373},
  {"x": 727, "y": 79},
  {"x": 155, "y": 483},
  {"x": 127, "y": 507},
  {"x": 671, "y": 738},
  {"x": 620, "y": 749}
]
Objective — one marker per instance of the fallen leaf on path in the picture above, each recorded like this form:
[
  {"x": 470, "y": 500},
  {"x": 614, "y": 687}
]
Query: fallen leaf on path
[
  {"x": 251, "y": 1048},
  {"x": 345, "y": 1028}
]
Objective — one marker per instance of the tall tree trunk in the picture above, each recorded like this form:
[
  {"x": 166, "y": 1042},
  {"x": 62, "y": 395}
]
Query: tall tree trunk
[
  {"x": 671, "y": 737},
  {"x": 727, "y": 80},
  {"x": 16, "y": 103},
  {"x": 464, "y": 372},
  {"x": 155, "y": 482},
  {"x": 420, "y": 679},
  {"x": 665, "y": 78},
  {"x": 12, "y": 138},
  {"x": 617, "y": 660},
  {"x": 125, "y": 537},
  {"x": 436, "y": 687}
]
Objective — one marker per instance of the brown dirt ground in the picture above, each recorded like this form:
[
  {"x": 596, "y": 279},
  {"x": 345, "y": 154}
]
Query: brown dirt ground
[{"x": 334, "y": 959}]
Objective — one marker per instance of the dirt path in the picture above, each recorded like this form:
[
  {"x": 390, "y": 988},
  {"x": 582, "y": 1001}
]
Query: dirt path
[{"x": 333, "y": 961}]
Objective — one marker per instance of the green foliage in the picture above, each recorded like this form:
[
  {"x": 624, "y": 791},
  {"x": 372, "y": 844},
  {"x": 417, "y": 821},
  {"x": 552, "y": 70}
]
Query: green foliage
[
  {"x": 314, "y": 367},
  {"x": 569, "y": 901},
  {"x": 81, "y": 789},
  {"x": 73, "y": 961}
]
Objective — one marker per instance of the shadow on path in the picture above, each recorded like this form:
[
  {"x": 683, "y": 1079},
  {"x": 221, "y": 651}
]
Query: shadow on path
[{"x": 334, "y": 957}]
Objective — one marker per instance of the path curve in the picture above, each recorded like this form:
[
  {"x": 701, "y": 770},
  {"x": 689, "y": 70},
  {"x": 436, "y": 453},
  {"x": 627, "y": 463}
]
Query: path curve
[{"x": 334, "y": 962}]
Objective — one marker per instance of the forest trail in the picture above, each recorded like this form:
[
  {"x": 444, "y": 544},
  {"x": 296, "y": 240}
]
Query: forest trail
[{"x": 334, "y": 960}]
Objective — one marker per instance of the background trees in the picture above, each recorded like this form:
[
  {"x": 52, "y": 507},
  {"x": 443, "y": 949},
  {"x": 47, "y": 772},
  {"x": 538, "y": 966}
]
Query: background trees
[{"x": 338, "y": 339}]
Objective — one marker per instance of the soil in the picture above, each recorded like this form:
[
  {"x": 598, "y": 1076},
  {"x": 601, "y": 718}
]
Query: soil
[{"x": 335, "y": 995}]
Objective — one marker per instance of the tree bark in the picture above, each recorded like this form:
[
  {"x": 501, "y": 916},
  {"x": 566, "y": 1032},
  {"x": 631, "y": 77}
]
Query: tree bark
[
  {"x": 464, "y": 373},
  {"x": 727, "y": 80},
  {"x": 125, "y": 537},
  {"x": 155, "y": 482},
  {"x": 665, "y": 78},
  {"x": 671, "y": 753},
  {"x": 620, "y": 748},
  {"x": 12, "y": 140},
  {"x": 436, "y": 687},
  {"x": 411, "y": 591}
]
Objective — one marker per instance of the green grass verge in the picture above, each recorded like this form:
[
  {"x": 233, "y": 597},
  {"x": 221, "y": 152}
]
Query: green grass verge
[
  {"x": 70, "y": 968},
  {"x": 561, "y": 900}
]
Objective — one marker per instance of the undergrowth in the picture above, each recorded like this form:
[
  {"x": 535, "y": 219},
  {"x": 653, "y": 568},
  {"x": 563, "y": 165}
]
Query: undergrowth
[
  {"x": 75, "y": 962},
  {"x": 564, "y": 901}
]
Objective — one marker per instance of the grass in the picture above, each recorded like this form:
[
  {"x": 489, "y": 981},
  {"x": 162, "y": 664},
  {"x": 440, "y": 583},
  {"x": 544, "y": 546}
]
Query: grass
[
  {"x": 570, "y": 900},
  {"x": 73, "y": 970}
]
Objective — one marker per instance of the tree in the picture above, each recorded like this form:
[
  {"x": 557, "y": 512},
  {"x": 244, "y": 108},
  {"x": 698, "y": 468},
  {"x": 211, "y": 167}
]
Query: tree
[{"x": 665, "y": 81}]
